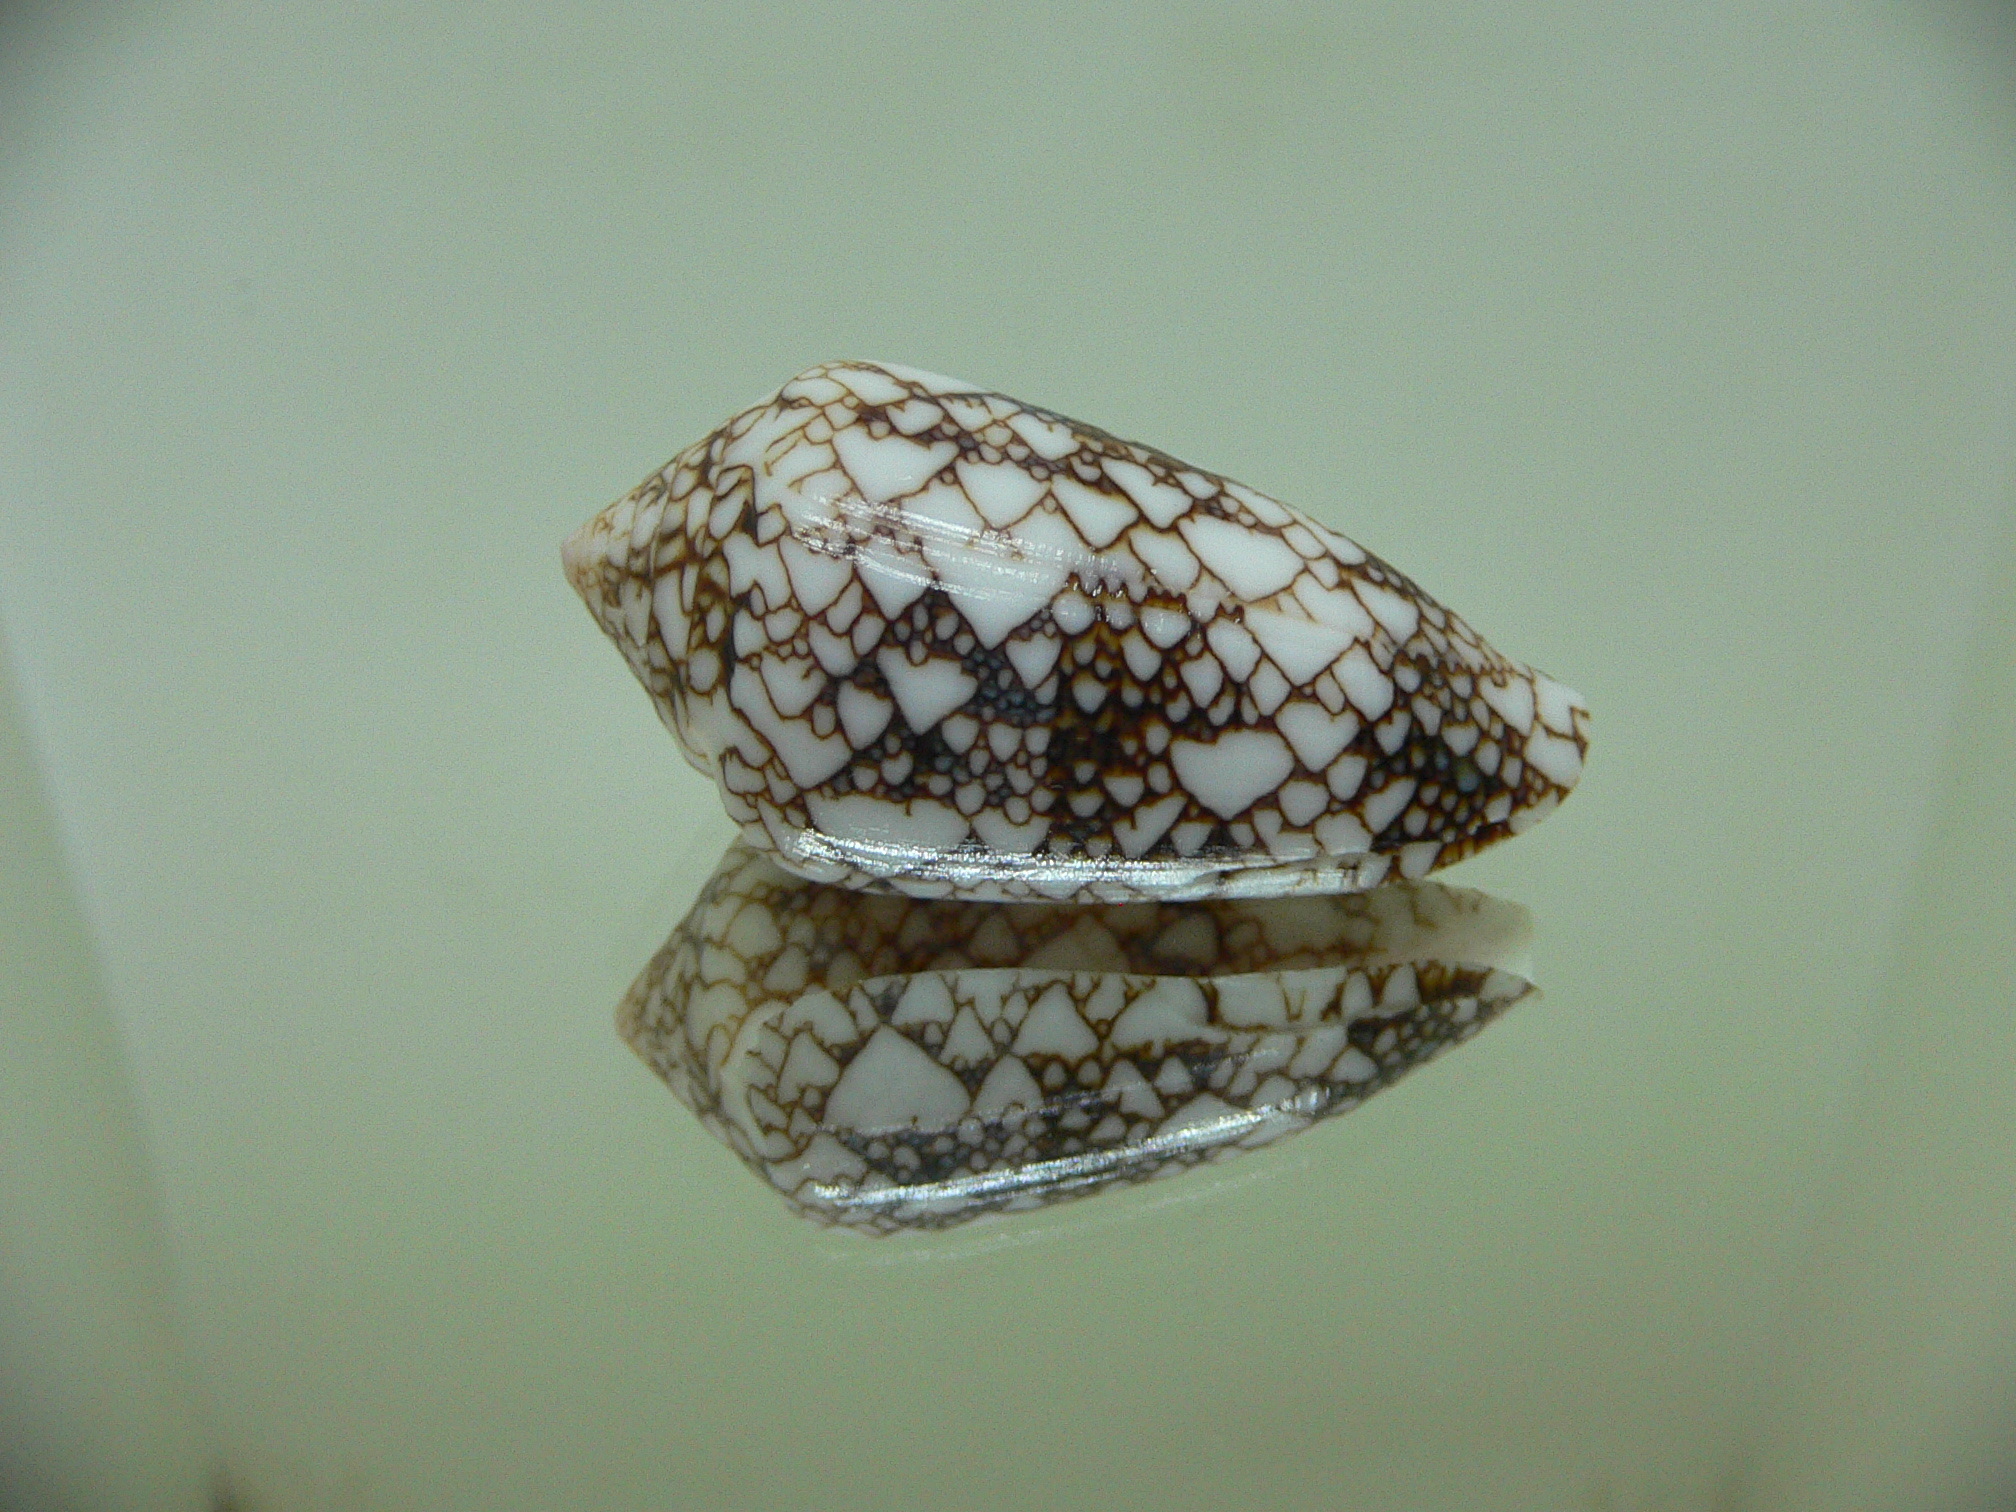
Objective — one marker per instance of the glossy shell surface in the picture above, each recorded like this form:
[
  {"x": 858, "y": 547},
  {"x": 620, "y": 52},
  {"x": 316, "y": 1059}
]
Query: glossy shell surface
[{"x": 928, "y": 638}]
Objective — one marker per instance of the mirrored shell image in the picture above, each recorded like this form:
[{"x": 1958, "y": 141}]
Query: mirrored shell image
[
  {"x": 929, "y": 639},
  {"x": 889, "y": 1063}
]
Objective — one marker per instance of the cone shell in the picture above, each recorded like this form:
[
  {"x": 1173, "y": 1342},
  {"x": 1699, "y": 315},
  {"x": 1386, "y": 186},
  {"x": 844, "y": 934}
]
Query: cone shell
[{"x": 928, "y": 638}]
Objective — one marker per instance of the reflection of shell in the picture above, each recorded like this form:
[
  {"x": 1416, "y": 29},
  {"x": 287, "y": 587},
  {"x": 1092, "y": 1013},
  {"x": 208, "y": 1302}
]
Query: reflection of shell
[
  {"x": 928, "y": 637},
  {"x": 888, "y": 1063}
]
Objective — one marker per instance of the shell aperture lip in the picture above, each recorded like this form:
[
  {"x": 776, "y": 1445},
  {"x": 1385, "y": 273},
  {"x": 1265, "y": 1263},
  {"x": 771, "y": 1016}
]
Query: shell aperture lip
[{"x": 930, "y": 639}]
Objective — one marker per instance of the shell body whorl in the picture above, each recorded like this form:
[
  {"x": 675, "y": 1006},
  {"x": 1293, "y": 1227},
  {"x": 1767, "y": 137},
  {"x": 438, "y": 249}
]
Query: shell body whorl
[{"x": 931, "y": 639}]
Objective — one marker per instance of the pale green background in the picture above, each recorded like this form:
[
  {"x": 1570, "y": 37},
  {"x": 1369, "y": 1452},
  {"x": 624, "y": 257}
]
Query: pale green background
[{"x": 1678, "y": 354}]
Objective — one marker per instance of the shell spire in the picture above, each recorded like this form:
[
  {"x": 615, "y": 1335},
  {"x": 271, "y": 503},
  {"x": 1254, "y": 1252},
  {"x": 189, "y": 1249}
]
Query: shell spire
[{"x": 928, "y": 638}]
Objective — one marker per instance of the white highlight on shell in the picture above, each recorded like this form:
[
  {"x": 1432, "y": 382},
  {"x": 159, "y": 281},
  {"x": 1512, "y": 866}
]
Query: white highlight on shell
[{"x": 931, "y": 639}]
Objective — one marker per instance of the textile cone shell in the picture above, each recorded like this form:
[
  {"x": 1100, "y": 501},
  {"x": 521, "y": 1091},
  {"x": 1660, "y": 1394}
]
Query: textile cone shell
[{"x": 931, "y": 639}]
